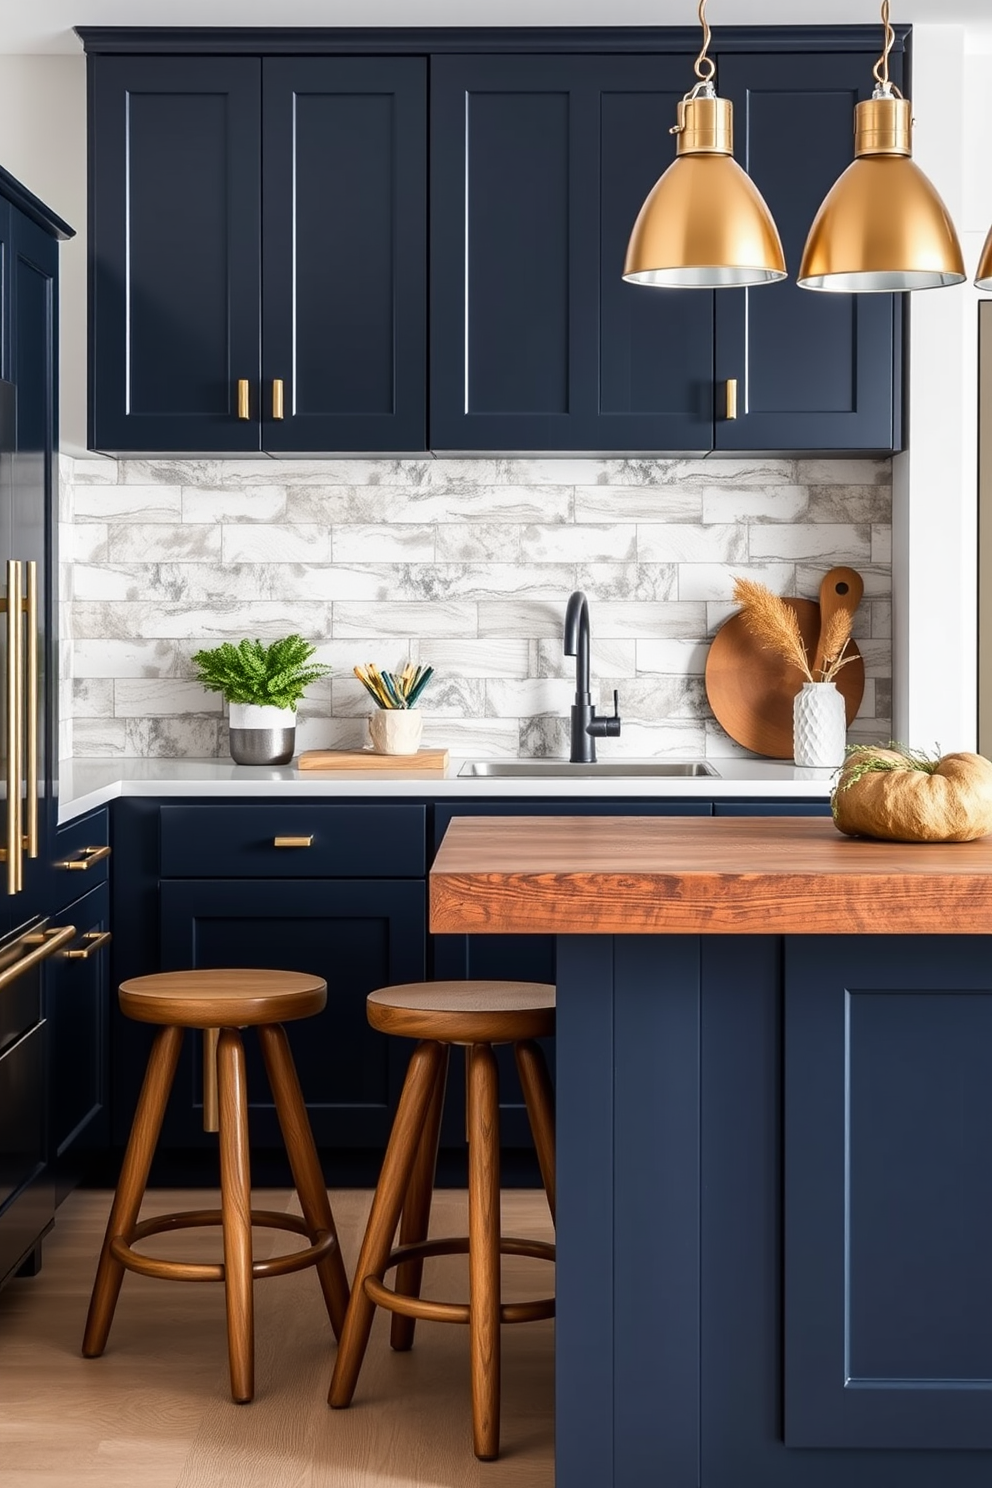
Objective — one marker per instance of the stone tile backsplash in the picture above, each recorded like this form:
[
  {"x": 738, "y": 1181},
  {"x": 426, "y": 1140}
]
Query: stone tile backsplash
[{"x": 466, "y": 564}]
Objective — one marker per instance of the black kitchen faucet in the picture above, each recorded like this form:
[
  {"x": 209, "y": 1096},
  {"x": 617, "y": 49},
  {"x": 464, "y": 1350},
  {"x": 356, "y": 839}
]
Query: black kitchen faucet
[{"x": 586, "y": 727}]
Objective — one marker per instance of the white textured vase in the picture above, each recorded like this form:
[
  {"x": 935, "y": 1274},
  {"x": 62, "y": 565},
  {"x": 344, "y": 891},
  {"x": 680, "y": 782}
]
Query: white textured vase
[
  {"x": 396, "y": 730},
  {"x": 819, "y": 725},
  {"x": 262, "y": 736}
]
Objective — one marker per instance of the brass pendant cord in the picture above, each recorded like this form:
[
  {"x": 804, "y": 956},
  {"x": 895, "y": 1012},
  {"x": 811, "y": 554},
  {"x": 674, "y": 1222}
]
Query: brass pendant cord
[
  {"x": 705, "y": 67},
  {"x": 881, "y": 68}
]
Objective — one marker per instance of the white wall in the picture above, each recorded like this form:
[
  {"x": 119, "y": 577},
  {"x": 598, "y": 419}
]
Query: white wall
[
  {"x": 935, "y": 481},
  {"x": 43, "y": 144}
]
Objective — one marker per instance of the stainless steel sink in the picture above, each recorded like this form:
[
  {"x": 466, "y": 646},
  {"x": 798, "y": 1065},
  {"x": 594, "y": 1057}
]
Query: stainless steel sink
[{"x": 606, "y": 770}]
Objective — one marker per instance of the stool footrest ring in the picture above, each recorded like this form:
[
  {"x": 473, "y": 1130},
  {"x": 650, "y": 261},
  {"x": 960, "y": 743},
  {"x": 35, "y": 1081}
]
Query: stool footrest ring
[
  {"x": 458, "y": 1312},
  {"x": 192, "y": 1219}
]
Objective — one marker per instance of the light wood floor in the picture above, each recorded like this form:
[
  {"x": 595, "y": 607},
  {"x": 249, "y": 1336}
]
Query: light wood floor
[{"x": 154, "y": 1412}]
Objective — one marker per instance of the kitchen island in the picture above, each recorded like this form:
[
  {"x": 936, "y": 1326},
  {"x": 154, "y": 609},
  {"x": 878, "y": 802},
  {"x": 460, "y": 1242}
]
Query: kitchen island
[{"x": 774, "y": 1062}]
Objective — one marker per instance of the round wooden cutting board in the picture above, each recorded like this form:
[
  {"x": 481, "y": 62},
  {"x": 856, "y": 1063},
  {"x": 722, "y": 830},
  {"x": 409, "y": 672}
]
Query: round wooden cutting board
[{"x": 751, "y": 689}]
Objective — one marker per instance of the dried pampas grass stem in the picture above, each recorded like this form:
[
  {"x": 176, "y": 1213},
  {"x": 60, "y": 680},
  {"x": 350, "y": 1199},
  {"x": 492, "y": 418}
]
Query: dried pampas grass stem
[
  {"x": 772, "y": 622},
  {"x": 834, "y": 643}
]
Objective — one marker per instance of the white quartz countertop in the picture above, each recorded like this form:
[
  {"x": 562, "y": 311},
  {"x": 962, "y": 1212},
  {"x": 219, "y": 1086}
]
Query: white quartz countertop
[{"x": 87, "y": 783}]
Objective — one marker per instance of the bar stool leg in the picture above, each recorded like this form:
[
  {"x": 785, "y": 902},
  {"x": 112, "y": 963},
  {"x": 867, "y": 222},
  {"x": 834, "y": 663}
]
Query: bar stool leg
[
  {"x": 401, "y": 1153},
  {"x": 235, "y": 1196},
  {"x": 417, "y": 1210},
  {"x": 539, "y": 1098},
  {"x": 483, "y": 1248},
  {"x": 304, "y": 1165},
  {"x": 131, "y": 1186}
]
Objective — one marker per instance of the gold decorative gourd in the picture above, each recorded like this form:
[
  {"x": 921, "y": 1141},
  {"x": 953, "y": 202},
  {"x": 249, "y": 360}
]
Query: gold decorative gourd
[{"x": 901, "y": 796}]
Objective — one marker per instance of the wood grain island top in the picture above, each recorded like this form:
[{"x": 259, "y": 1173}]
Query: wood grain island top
[{"x": 618, "y": 875}]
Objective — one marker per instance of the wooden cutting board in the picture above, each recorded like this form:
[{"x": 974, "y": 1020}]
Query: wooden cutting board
[
  {"x": 751, "y": 689},
  {"x": 365, "y": 759}
]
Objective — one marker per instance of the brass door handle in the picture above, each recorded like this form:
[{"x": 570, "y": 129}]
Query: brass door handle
[
  {"x": 31, "y": 706},
  {"x": 293, "y": 841},
  {"x": 42, "y": 946},
  {"x": 90, "y": 856},
  {"x": 15, "y": 721},
  {"x": 278, "y": 411},
  {"x": 731, "y": 397},
  {"x": 94, "y": 940},
  {"x": 244, "y": 411}
]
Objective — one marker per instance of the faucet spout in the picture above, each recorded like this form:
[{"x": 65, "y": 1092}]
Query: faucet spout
[{"x": 585, "y": 726}]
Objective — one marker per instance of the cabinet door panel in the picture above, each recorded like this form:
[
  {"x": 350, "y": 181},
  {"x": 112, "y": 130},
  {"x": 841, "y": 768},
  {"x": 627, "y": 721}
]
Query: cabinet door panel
[
  {"x": 76, "y": 1001},
  {"x": 344, "y": 263},
  {"x": 175, "y": 252},
  {"x": 815, "y": 370},
  {"x": 888, "y": 1205},
  {"x": 359, "y": 936}
]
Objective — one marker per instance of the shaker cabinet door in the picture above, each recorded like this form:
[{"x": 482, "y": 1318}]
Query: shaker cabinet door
[
  {"x": 815, "y": 371},
  {"x": 539, "y": 166},
  {"x": 174, "y": 245},
  {"x": 344, "y": 262}
]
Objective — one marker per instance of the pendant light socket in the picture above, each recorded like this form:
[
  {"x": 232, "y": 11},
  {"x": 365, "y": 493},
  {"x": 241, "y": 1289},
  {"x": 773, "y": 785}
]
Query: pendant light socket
[{"x": 705, "y": 126}]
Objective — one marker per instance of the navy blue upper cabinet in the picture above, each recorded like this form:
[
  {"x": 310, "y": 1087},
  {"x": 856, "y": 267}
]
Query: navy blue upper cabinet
[
  {"x": 175, "y": 205},
  {"x": 815, "y": 371},
  {"x": 538, "y": 168},
  {"x": 197, "y": 287},
  {"x": 344, "y": 228}
]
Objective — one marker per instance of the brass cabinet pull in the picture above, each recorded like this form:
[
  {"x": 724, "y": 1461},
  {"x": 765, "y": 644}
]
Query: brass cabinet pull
[
  {"x": 94, "y": 940},
  {"x": 277, "y": 398},
  {"x": 731, "y": 397},
  {"x": 244, "y": 411},
  {"x": 42, "y": 946},
  {"x": 15, "y": 719},
  {"x": 90, "y": 856},
  {"x": 31, "y": 673},
  {"x": 293, "y": 841}
]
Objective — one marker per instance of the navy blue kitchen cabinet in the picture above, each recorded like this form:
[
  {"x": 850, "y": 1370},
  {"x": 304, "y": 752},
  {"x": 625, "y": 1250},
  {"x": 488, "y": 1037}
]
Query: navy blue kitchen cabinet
[
  {"x": 77, "y": 1006},
  {"x": 538, "y": 169},
  {"x": 257, "y": 254},
  {"x": 814, "y": 371},
  {"x": 174, "y": 253}
]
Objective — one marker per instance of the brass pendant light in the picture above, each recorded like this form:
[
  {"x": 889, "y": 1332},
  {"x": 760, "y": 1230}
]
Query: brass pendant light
[
  {"x": 882, "y": 226},
  {"x": 983, "y": 279},
  {"x": 704, "y": 225}
]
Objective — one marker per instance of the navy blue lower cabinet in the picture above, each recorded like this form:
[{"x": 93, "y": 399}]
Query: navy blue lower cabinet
[
  {"x": 359, "y": 934},
  {"x": 775, "y": 1212},
  {"x": 888, "y": 1193},
  {"x": 77, "y": 1009}
]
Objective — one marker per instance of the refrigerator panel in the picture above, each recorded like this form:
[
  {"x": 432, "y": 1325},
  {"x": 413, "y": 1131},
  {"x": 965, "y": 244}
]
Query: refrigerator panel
[{"x": 985, "y": 528}]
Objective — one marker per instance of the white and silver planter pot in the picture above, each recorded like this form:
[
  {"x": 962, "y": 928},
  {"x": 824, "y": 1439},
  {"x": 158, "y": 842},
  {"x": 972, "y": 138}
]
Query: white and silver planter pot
[{"x": 262, "y": 736}]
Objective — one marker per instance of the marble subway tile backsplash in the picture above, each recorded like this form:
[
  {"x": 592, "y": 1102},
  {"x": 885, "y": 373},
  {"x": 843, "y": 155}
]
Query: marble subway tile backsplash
[{"x": 466, "y": 564}]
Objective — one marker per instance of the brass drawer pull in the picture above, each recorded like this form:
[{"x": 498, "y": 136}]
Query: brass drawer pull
[
  {"x": 731, "y": 397},
  {"x": 293, "y": 841},
  {"x": 94, "y": 940},
  {"x": 278, "y": 410},
  {"x": 43, "y": 945},
  {"x": 244, "y": 411},
  {"x": 90, "y": 856}
]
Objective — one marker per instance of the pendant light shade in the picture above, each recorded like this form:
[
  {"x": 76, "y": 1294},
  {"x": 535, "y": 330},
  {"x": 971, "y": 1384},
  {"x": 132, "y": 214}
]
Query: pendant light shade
[
  {"x": 704, "y": 224},
  {"x": 882, "y": 226},
  {"x": 983, "y": 279}
]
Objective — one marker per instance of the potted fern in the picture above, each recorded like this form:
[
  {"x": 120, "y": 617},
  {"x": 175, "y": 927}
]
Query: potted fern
[{"x": 262, "y": 685}]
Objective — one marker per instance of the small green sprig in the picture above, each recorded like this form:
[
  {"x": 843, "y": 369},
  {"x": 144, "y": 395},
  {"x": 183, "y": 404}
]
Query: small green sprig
[{"x": 273, "y": 676}]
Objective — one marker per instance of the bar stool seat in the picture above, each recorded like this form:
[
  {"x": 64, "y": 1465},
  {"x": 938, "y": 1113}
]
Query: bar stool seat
[
  {"x": 477, "y": 1014},
  {"x": 220, "y": 1003}
]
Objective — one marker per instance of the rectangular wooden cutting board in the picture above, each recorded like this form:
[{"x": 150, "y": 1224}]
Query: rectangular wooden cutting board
[{"x": 365, "y": 759}]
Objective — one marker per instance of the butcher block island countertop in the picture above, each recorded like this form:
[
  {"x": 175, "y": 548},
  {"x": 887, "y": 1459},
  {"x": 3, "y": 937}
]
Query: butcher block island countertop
[{"x": 622, "y": 875}]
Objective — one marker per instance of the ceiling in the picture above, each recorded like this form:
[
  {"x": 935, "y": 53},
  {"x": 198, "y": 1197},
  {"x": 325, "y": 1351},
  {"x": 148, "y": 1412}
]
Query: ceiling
[{"x": 46, "y": 25}]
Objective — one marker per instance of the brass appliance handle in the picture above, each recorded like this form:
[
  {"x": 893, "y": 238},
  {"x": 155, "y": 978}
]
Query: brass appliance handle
[
  {"x": 244, "y": 411},
  {"x": 94, "y": 940},
  {"x": 278, "y": 410},
  {"x": 15, "y": 720},
  {"x": 42, "y": 946},
  {"x": 211, "y": 1099},
  {"x": 293, "y": 841},
  {"x": 91, "y": 855},
  {"x": 731, "y": 397},
  {"x": 31, "y": 674}
]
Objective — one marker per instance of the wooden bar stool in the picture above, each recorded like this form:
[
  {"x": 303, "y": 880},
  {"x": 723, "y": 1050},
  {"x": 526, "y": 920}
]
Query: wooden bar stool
[
  {"x": 224, "y": 1000},
  {"x": 477, "y": 1014}
]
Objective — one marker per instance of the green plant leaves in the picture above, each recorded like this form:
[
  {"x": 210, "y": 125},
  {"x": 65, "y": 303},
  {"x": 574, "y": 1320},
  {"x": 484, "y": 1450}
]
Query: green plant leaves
[{"x": 272, "y": 676}]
